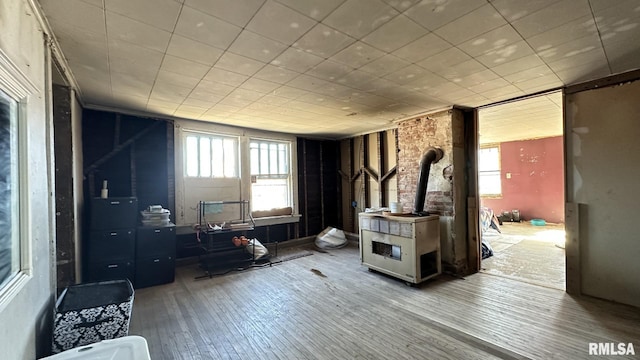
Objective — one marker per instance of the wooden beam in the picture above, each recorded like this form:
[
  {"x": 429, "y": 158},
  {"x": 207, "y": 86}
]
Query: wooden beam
[
  {"x": 382, "y": 194},
  {"x": 371, "y": 173},
  {"x": 389, "y": 173},
  {"x": 364, "y": 161}
]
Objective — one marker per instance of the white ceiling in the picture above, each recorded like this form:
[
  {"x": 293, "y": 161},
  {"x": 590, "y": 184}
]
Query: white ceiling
[
  {"x": 334, "y": 68},
  {"x": 532, "y": 118}
]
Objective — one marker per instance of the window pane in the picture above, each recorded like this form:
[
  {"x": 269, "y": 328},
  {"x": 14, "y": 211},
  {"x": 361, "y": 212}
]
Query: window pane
[
  {"x": 282, "y": 160},
  {"x": 264, "y": 159},
  {"x": 230, "y": 149},
  {"x": 273, "y": 159},
  {"x": 217, "y": 157},
  {"x": 9, "y": 191},
  {"x": 205, "y": 157},
  {"x": 489, "y": 183},
  {"x": 269, "y": 194},
  {"x": 255, "y": 163},
  {"x": 192, "y": 156},
  {"x": 489, "y": 159}
]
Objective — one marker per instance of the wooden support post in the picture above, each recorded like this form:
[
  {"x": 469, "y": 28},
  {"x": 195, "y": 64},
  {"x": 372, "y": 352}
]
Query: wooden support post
[
  {"x": 572, "y": 246},
  {"x": 364, "y": 161},
  {"x": 382, "y": 193}
]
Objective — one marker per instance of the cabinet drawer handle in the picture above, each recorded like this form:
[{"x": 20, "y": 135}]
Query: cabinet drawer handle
[
  {"x": 114, "y": 234},
  {"x": 156, "y": 260},
  {"x": 157, "y": 230},
  {"x": 115, "y": 203},
  {"x": 112, "y": 266}
]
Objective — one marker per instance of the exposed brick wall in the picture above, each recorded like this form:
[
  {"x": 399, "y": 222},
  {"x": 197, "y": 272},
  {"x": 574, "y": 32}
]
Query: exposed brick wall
[{"x": 414, "y": 138}]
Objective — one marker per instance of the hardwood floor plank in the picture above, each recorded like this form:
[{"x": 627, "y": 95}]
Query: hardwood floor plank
[{"x": 328, "y": 306}]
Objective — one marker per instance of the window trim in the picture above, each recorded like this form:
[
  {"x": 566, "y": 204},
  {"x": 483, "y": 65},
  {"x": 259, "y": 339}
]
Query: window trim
[
  {"x": 17, "y": 85},
  {"x": 188, "y": 132},
  {"x": 489, "y": 146},
  {"x": 288, "y": 176}
]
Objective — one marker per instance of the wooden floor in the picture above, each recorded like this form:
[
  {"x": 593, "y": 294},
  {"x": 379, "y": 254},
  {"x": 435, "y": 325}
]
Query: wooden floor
[{"x": 328, "y": 306}]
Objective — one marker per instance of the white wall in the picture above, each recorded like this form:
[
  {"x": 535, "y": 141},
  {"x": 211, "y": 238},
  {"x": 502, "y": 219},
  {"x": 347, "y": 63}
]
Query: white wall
[
  {"x": 78, "y": 178},
  {"x": 23, "y": 317},
  {"x": 189, "y": 191},
  {"x": 603, "y": 172}
]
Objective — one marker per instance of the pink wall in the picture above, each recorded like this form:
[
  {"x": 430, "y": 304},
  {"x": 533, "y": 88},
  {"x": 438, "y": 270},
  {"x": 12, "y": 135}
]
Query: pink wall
[{"x": 536, "y": 186}]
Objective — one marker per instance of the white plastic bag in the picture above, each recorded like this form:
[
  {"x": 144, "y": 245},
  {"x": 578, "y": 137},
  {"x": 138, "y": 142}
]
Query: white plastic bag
[
  {"x": 331, "y": 238},
  {"x": 256, "y": 248}
]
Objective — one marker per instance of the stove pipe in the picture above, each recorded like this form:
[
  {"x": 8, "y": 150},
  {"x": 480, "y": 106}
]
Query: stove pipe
[{"x": 433, "y": 155}]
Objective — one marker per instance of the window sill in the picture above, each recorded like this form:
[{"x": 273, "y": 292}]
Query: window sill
[
  {"x": 12, "y": 288},
  {"x": 275, "y": 220}
]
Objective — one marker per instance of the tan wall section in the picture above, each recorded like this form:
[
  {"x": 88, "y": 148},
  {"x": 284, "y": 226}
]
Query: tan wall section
[{"x": 603, "y": 157}]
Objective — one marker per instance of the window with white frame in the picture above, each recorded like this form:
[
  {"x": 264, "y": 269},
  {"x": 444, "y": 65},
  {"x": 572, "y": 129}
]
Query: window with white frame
[
  {"x": 211, "y": 156},
  {"x": 489, "y": 175},
  {"x": 9, "y": 190},
  {"x": 270, "y": 174}
]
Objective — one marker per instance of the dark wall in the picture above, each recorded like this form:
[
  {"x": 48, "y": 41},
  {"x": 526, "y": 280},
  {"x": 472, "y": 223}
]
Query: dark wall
[
  {"x": 134, "y": 154},
  {"x": 318, "y": 195}
]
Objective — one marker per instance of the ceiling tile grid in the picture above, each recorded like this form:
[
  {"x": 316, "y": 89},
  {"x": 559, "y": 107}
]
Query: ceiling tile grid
[{"x": 370, "y": 61}]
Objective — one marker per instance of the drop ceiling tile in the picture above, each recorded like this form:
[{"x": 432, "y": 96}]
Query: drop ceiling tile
[
  {"x": 357, "y": 54},
  {"x": 170, "y": 93},
  {"x": 186, "y": 48},
  {"x": 514, "y": 10},
  {"x": 528, "y": 74},
  {"x": 428, "y": 81},
  {"x": 288, "y": 92},
  {"x": 428, "y": 45},
  {"x": 273, "y": 100},
  {"x": 279, "y": 23},
  {"x": 385, "y": 65},
  {"x": 226, "y": 77},
  {"x": 434, "y": 14},
  {"x": 512, "y": 67},
  {"x": 173, "y": 78},
  {"x": 491, "y": 41},
  {"x": 261, "y": 86},
  {"x": 394, "y": 34},
  {"x": 134, "y": 59},
  {"x": 237, "y": 12},
  {"x": 477, "y": 78},
  {"x": 371, "y": 14},
  {"x": 203, "y": 104},
  {"x": 123, "y": 84},
  {"x": 162, "y": 14},
  {"x": 334, "y": 90},
  {"x": 74, "y": 15},
  {"x": 256, "y": 47},
  {"x": 570, "y": 49},
  {"x": 471, "y": 25},
  {"x": 593, "y": 59},
  {"x": 621, "y": 58},
  {"x": 207, "y": 29},
  {"x": 551, "y": 16},
  {"x": 505, "y": 54},
  {"x": 213, "y": 87},
  {"x": 329, "y": 70},
  {"x": 276, "y": 74},
  {"x": 407, "y": 74},
  {"x": 456, "y": 72},
  {"x": 565, "y": 33},
  {"x": 401, "y": 5},
  {"x": 234, "y": 101},
  {"x": 306, "y": 82},
  {"x": 239, "y": 64},
  {"x": 136, "y": 32},
  {"x": 540, "y": 83},
  {"x": 224, "y": 108},
  {"x": 489, "y": 85},
  {"x": 355, "y": 79},
  {"x": 323, "y": 41},
  {"x": 503, "y": 93},
  {"x": 203, "y": 95},
  {"x": 297, "y": 60},
  {"x": 317, "y": 10},
  {"x": 97, "y": 3},
  {"x": 443, "y": 60},
  {"x": 184, "y": 67}
]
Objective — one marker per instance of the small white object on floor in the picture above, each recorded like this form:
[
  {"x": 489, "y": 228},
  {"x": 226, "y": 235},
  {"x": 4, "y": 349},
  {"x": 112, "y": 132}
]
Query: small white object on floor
[{"x": 125, "y": 348}]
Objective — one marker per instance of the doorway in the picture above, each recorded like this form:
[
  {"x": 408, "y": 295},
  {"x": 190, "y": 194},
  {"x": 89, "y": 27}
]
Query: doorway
[{"x": 521, "y": 187}]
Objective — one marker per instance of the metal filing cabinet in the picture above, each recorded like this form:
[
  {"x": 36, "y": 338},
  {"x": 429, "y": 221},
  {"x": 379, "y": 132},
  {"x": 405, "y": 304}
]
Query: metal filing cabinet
[
  {"x": 155, "y": 255},
  {"x": 110, "y": 249}
]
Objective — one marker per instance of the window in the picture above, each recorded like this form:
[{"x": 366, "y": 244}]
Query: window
[
  {"x": 270, "y": 174},
  {"x": 9, "y": 190},
  {"x": 489, "y": 178},
  {"x": 211, "y": 156}
]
